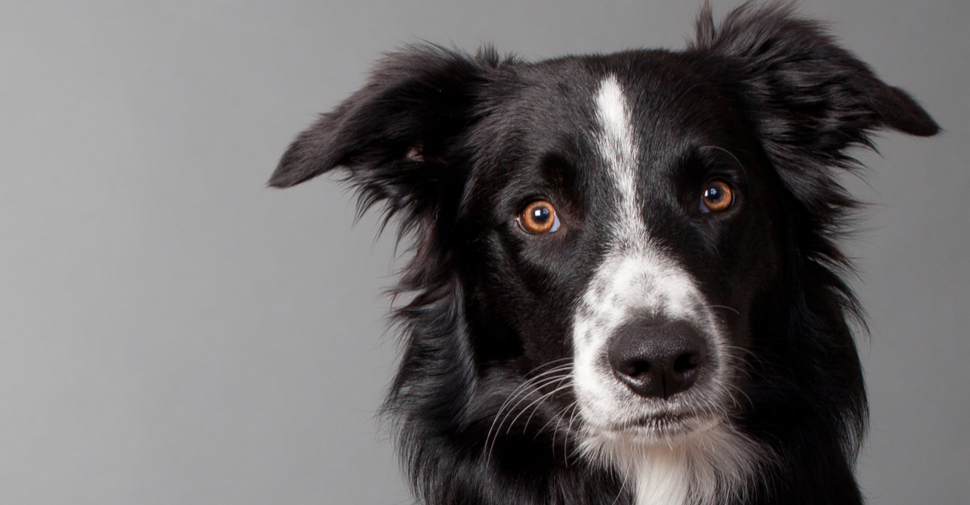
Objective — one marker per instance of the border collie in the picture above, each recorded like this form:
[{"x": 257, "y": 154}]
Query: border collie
[{"x": 626, "y": 286}]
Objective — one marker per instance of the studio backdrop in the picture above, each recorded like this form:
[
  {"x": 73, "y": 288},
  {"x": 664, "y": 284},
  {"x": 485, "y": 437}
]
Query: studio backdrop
[{"x": 173, "y": 331}]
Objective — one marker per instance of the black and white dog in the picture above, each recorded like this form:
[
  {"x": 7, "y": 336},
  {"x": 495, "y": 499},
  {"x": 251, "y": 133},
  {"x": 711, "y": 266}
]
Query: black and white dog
[{"x": 625, "y": 285}]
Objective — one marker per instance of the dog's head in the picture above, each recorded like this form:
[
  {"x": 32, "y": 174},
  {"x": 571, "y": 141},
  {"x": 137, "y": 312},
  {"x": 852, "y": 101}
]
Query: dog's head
[{"x": 636, "y": 236}]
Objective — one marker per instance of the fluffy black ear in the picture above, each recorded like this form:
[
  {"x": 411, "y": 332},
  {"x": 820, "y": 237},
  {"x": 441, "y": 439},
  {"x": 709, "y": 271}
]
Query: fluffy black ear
[
  {"x": 808, "y": 98},
  {"x": 397, "y": 134}
]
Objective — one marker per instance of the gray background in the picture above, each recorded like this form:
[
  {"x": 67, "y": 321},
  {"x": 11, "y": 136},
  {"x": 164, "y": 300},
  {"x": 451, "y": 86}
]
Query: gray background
[{"x": 171, "y": 331}]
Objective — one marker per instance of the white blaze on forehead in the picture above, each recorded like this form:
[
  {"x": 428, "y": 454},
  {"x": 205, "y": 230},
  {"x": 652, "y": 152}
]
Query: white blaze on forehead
[
  {"x": 618, "y": 149},
  {"x": 616, "y": 135}
]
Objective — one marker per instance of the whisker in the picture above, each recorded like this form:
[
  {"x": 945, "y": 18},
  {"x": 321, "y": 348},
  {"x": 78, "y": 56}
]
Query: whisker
[
  {"x": 555, "y": 430},
  {"x": 619, "y": 493},
  {"x": 744, "y": 351},
  {"x": 524, "y": 386},
  {"x": 520, "y": 394},
  {"x": 537, "y": 401},
  {"x": 533, "y": 385},
  {"x": 569, "y": 429},
  {"x": 750, "y": 401},
  {"x": 500, "y": 420},
  {"x": 732, "y": 309},
  {"x": 558, "y": 362}
]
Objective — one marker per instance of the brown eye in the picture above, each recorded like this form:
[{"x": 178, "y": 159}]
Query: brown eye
[
  {"x": 717, "y": 196},
  {"x": 538, "y": 217}
]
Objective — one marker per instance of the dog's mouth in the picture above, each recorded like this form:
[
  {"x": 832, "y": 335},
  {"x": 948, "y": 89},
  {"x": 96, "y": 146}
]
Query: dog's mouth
[{"x": 661, "y": 428}]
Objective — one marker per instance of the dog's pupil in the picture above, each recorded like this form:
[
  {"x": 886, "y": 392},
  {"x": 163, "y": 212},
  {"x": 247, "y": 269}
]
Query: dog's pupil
[
  {"x": 541, "y": 214},
  {"x": 713, "y": 194}
]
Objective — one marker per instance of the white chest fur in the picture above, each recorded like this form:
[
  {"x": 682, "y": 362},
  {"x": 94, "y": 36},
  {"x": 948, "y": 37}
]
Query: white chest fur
[
  {"x": 662, "y": 476},
  {"x": 707, "y": 468}
]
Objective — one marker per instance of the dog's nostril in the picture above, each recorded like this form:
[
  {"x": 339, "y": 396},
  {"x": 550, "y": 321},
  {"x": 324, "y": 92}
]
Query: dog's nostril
[
  {"x": 634, "y": 368},
  {"x": 657, "y": 361},
  {"x": 687, "y": 362}
]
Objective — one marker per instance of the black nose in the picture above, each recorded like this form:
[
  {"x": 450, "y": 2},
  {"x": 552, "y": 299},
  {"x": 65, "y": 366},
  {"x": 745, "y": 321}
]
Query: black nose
[{"x": 657, "y": 360}]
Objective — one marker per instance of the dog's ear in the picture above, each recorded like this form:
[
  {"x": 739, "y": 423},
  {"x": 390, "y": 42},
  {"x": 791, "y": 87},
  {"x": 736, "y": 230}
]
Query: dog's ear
[
  {"x": 396, "y": 134},
  {"x": 809, "y": 99}
]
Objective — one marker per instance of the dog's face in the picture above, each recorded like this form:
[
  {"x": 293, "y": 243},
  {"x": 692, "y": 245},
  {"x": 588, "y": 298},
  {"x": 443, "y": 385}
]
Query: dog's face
[
  {"x": 634, "y": 248},
  {"x": 624, "y": 229}
]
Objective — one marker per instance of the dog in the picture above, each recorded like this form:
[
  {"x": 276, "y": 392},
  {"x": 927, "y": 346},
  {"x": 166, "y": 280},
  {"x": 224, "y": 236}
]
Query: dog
[{"x": 625, "y": 285}]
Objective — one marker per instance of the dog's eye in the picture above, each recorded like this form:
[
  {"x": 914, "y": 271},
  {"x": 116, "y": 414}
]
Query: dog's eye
[
  {"x": 538, "y": 218},
  {"x": 717, "y": 196}
]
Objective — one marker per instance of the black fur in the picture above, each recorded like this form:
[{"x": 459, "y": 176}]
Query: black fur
[{"x": 453, "y": 144}]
